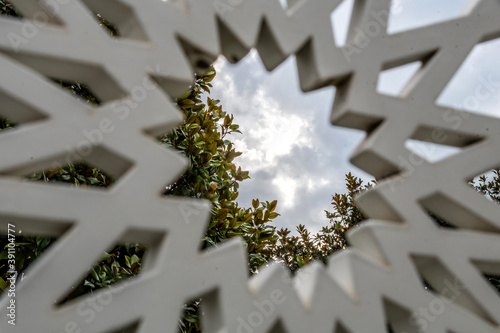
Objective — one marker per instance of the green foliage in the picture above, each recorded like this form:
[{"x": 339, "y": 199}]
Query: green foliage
[
  {"x": 80, "y": 175},
  {"x": 5, "y": 123},
  {"x": 345, "y": 213},
  {"x": 212, "y": 174},
  {"x": 6, "y": 8},
  {"x": 296, "y": 251},
  {"x": 27, "y": 249},
  {"x": 489, "y": 186},
  {"x": 120, "y": 263},
  {"x": 80, "y": 90}
]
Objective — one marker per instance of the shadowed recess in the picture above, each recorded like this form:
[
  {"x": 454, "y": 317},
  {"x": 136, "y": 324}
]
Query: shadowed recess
[
  {"x": 443, "y": 281},
  {"x": 129, "y": 328},
  {"x": 82, "y": 91},
  {"x": 398, "y": 318},
  {"x": 15, "y": 111},
  {"x": 25, "y": 250},
  {"x": 133, "y": 253},
  {"x": 490, "y": 271},
  {"x": 117, "y": 18},
  {"x": 122, "y": 262},
  {"x": 475, "y": 87},
  {"x": 446, "y": 208},
  {"x": 93, "y": 79},
  {"x": 7, "y": 9},
  {"x": 6, "y": 124}
]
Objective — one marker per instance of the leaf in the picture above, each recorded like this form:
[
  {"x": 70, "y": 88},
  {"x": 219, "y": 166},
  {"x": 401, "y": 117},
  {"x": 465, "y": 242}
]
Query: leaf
[
  {"x": 300, "y": 261},
  {"x": 273, "y": 205},
  {"x": 89, "y": 284},
  {"x": 255, "y": 203},
  {"x": 135, "y": 259},
  {"x": 273, "y": 215},
  {"x": 3, "y": 284}
]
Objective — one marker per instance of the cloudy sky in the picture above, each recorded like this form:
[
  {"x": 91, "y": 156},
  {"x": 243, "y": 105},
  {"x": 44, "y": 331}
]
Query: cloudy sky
[{"x": 293, "y": 153}]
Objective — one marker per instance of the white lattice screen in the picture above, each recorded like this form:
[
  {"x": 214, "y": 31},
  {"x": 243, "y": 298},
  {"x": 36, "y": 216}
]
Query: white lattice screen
[{"x": 376, "y": 281}]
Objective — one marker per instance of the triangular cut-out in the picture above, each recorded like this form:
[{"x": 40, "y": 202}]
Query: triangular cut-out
[
  {"x": 232, "y": 49},
  {"x": 24, "y": 249},
  {"x": 267, "y": 46},
  {"x": 340, "y": 328},
  {"x": 491, "y": 272},
  {"x": 211, "y": 312},
  {"x": 80, "y": 90},
  {"x": 398, "y": 318},
  {"x": 402, "y": 14},
  {"x": 6, "y": 124},
  {"x": 122, "y": 262},
  {"x": 202, "y": 314},
  {"x": 488, "y": 184},
  {"x": 34, "y": 226},
  {"x": 284, "y": 4},
  {"x": 9, "y": 9},
  {"x": 32, "y": 236},
  {"x": 341, "y": 18},
  {"x": 475, "y": 86},
  {"x": 28, "y": 10},
  {"x": 199, "y": 59},
  {"x": 14, "y": 111},
  {"x": 494, "y": 280},
  {"x": 393, "y": 81},
  {"x": 190, "y": 320},
  {"x": 440, "y": 222},
  {"x": 110, "y": 164},
  {"x": 93, "y": 77},
  {"x": 108, "y": 26},
  {"x": 118, "y": 19},
  {"x": 80, "y": 174},
  {"x": 447, "y": 209},
  {"x": 278, "y": 327},
  {"x": 431, "y": 151},
  {"x": 135, "y": 252},
  {"x": 173, "y": 87},
  {"x": 129, "y": 328},
  {"x": 447, "y": 285}
]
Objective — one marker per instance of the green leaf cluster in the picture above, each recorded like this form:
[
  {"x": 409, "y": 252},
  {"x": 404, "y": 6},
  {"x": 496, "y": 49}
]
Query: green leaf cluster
[
  {"x": 296, "y": 251},
  {"x": 213, "y": 175}
]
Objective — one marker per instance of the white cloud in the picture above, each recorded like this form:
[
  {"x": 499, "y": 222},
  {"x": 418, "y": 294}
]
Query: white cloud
[
  {"x": 273, "y": 131},
  {"x": 287, "y": 189}
]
